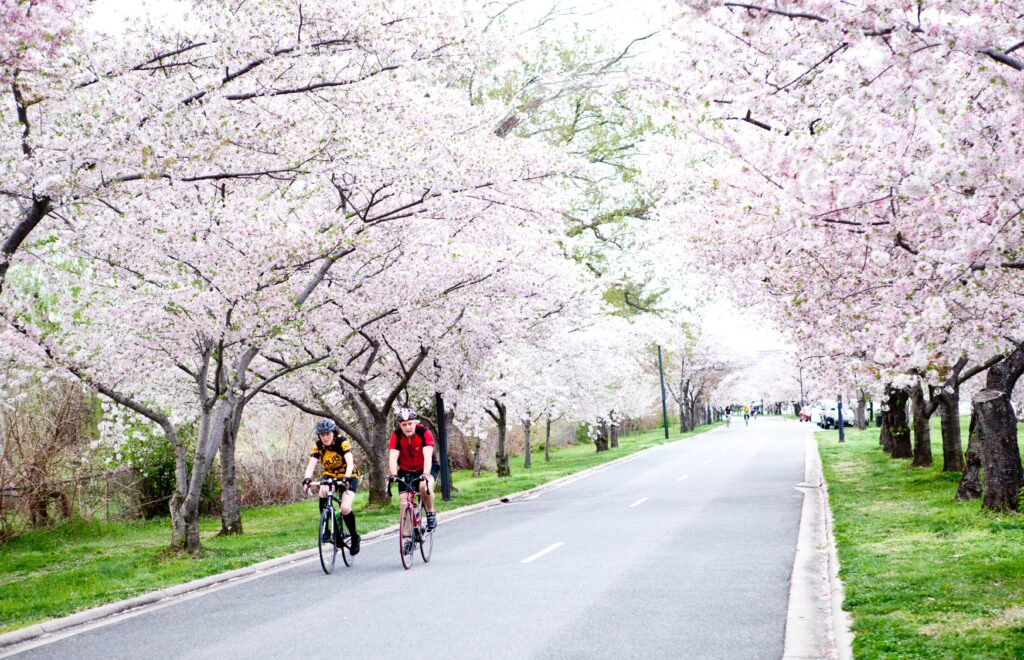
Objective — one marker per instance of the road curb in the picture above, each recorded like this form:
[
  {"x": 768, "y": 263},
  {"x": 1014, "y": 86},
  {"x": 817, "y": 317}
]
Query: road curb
[
  {"x": 110, "y": 610},
  {"x": 816, "y": 625}
]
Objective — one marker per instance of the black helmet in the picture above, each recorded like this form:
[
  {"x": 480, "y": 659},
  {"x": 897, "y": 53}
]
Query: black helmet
[
  {"x": 406, "y": 414},
  {"x": 325, "y": 426}
]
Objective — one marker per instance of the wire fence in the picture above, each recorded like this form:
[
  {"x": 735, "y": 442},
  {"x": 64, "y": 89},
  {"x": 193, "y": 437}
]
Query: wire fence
[{"x": 112, "y": 495}]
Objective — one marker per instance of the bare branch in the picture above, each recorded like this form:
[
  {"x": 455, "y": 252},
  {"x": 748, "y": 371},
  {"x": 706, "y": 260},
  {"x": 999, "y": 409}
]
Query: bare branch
[{"x": 780, "y": 12}]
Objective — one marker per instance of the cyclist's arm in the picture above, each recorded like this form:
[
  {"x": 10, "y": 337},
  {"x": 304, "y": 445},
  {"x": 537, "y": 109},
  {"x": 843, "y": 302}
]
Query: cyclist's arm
[
  {"x": 348, "y": 464},
  {"x": 393, "y": 462},
  {"x": 428, "y": 456},
  {"x": 310, "y": 467}
]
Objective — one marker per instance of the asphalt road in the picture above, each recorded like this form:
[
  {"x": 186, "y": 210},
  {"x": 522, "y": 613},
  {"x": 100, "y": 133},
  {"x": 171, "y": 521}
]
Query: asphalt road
[{"x": 685, "y": 552}]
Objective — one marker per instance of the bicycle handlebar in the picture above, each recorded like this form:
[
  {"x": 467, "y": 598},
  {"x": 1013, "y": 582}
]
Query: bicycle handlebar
[
  {"x": 328, "y": 481},
  {"x": 411, "y": 484},
  {"x": 394, "y": 479}
]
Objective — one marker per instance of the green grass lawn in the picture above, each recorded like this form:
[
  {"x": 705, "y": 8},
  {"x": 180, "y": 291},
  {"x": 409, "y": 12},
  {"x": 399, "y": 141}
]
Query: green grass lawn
[
  {"x": 925, "y": 576},
  {"x": 52, "y": 573}
]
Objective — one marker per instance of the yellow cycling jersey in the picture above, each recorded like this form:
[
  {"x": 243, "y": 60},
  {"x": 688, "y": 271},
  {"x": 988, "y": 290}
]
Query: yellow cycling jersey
[{"x": 333, "y": 457}]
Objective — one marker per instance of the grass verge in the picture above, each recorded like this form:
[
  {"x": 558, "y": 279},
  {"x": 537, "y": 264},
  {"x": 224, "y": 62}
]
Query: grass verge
[
  {"x": 51, "y": 573},
  {"x": 925, "y": 576}
]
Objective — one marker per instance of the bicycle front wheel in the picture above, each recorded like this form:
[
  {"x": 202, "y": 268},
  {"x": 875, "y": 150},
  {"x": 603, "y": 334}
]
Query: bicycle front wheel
[
  {"x": 325, "y": 540},
  {"x": 406, "y": 536},
  {"x": 426, "y": 541}
]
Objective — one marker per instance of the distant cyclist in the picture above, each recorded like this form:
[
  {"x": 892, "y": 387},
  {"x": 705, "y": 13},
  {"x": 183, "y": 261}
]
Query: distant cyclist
[
  {"x": 411, "y": 454},
  {"x": 746, "y": 416},
  {"x": 335, "y": 451}
]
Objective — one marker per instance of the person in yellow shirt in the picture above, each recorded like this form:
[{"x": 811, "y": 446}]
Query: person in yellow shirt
[{"x": 335, "y": 452}]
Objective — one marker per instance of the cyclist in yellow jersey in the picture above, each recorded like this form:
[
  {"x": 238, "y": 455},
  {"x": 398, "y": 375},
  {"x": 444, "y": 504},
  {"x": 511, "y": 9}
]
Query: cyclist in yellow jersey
[{"x": 335, "y": 452}]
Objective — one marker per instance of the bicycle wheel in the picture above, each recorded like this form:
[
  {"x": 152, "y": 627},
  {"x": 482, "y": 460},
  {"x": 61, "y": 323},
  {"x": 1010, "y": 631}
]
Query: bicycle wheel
[
  {"x": 426, "y": 538},
  {"x": 325, "y": 540},
  {"x": 406, "y": 530}
]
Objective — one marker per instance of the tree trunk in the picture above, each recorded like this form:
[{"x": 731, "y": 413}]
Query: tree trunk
[
  {"x": 476, "y": 457},
  {"x": 970, "y": 480},
  {"x": 372, "y": 433},
  {"x": 526, "y": 434},
  {"x": 884, "y": 436},
  {"x": 601, "y": 441},
  {"x": 682, "y": 418},
  {"x": 997, "y": 435},
  {"x": 501, "y": 456},
  {"x": 899, "y": 427},
  {"x": 613, "y": 431},
  {"x": 922, "y": 430},
  {"x": 185, "y": 534},
  {"x": 547, "y": 440},
  {"x": 949, "y": 416},
  {"x": 377, "y": 457},
  {"x": 859, "y": 412},
  {"x": 231, "y": 508}
]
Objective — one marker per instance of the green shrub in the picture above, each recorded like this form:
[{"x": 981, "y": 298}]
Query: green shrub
[{"x": 152, "y": 456}]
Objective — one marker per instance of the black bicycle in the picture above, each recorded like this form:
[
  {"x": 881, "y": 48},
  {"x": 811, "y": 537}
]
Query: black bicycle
[
  {"x": 412, "y": 524},
  {"x": 332, "y": 537}
]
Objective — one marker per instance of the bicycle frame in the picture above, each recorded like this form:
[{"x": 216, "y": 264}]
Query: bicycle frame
[
  {"x": 411, "y": 514},
  {"x": 333, "y": 507},
  {"x": 333, "y": 499},
  {"x": 413, "y": 499}
]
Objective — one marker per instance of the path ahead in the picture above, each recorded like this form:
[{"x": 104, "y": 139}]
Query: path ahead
[{"x": 684, "y": 552}]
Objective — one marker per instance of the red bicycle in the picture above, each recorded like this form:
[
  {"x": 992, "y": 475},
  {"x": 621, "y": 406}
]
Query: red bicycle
[{"x": 412, "y": 529}]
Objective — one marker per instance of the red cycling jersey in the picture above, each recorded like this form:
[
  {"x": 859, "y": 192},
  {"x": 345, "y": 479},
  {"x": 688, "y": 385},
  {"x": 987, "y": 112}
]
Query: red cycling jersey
[{"x": 410, "y": 449}]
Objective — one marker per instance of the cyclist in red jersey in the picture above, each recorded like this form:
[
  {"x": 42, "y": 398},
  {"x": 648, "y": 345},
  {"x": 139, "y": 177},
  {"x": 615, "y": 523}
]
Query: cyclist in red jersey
[{"x": 411, "y": 455}]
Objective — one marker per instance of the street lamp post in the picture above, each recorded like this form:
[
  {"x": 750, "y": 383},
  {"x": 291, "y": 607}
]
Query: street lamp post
[
  {"x": 839, "y": 415},
  {"x": 664, "y": 406},
  {"x": 442, "y": 441},
  {"x": 801, "y": 367}
]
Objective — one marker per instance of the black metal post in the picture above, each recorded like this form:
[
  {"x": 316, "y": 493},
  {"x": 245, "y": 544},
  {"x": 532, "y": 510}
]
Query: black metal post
[
  {"x": 664, "y": 406},
  {"x": 442, "y": 441},
  {"x": 802, "y": 404},
  {"x": 839, "y": 414}
]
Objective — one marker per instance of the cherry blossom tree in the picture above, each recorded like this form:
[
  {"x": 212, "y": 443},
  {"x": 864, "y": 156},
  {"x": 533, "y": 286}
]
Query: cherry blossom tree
[
  {"x": 845, "y": 138},
  {"x": 250, "y": 196}
]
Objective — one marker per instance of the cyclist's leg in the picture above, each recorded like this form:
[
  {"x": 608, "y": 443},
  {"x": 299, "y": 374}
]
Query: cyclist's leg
[
  {"x": 346, "y": 500},
  {"x": 427, "y": 492},
  {"x": 325, "y": 494},
  {"x": 348, "y": 515}
]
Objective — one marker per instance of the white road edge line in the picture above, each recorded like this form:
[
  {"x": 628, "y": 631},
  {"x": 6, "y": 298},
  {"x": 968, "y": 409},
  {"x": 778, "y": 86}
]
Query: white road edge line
[
  {"x": 681, "y": 478},
  {"x": 638, "y": 502},
  {"x": 550, "y": 548}
]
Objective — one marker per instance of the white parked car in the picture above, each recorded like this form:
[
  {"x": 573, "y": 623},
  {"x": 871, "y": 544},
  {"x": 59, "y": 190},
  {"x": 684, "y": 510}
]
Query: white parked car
[{"x": 825, "y": 413}]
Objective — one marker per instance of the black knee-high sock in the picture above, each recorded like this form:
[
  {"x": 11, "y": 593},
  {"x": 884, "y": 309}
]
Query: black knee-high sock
[{"x": 350, "y": 522}]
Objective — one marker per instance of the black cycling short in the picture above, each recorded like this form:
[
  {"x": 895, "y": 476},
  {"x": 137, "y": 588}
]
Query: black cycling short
[
  {"x": 353, "y": 483},
  {"x": 408, "y": 477}
]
